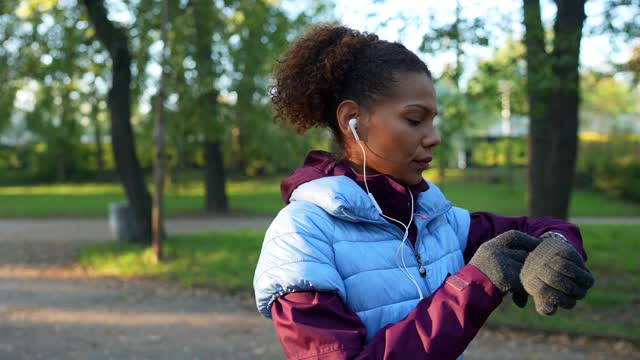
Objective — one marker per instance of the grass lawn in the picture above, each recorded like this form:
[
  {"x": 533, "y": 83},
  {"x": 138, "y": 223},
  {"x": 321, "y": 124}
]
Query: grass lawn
[
  {"x": 257, "y": 197},
  {"x": 222, "y": 260},
  {"x": 499, "y": 199},
  {"x": 262, "y": 197},
  {"x": 226, "y": 260}
]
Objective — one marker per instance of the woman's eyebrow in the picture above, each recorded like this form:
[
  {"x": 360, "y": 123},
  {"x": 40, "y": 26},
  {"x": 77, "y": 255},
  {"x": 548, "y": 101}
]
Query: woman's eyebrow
[{"x": 425, "y": 108}]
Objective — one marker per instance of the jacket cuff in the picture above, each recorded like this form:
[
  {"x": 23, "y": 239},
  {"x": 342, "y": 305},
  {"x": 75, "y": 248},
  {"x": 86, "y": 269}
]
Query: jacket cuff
[{"x": 471, "y": 276}]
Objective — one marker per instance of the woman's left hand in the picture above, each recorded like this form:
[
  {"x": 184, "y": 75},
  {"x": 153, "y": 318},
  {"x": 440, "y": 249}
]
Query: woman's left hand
[{"x": 554, "y": 274}]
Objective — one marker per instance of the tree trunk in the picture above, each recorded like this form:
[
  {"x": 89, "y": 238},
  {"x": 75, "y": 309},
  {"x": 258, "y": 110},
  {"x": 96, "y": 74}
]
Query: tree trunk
[
  {"x": 62, "y": 141},
  {"x": 61, "y": 163},
  {"x": 119, "y": 102},
  {"x": 563, "y": 103},
  {"x": 159, "y": 140},
  {"x": 98, "y": 140},
  {"x": 215, "y": 195},
  {"x": 181, "y": 161},
  {"x": 553, "y": 99}
]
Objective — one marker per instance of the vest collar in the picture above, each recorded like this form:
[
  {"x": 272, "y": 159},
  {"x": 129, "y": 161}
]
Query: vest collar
[{"x": 343, "y": 198}]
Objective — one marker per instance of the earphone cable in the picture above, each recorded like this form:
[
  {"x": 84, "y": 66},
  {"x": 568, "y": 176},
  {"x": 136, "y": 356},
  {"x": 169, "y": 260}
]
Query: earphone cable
[{"x": 406, "y": 227}]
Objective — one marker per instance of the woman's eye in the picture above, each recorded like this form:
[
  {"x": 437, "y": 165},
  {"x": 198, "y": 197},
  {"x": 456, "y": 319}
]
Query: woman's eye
[{"x": 413, "y": 122}]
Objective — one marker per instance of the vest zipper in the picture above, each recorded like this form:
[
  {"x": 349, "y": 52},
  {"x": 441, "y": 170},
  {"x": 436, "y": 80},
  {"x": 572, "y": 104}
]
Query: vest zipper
[{"x": 421, "y": 269}]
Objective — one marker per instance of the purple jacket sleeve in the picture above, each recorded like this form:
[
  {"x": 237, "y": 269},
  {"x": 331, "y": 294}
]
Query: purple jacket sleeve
[
  {"x": 314, "y": 324},
  {"x": 485, "y": 226}
]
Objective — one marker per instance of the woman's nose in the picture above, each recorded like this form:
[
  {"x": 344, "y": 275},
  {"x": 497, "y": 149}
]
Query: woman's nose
[{"x": 431, "y": 139}]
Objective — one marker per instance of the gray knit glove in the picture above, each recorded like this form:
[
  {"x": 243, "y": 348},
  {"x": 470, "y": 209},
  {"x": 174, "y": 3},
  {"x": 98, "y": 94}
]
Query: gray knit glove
[
  {"x": 554, "y": 274},
  {"x": 502, "y": 258}
]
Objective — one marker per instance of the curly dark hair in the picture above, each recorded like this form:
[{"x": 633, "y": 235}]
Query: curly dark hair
[{"x": 329, "y": 64}]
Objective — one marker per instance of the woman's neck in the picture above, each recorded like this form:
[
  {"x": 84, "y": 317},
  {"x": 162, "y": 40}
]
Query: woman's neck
[{"x": 357, "y": 167}]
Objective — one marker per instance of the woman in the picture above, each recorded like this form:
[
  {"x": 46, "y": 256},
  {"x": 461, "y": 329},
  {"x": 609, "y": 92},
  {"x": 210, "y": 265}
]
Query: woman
[{"x": 368, "y": 259}]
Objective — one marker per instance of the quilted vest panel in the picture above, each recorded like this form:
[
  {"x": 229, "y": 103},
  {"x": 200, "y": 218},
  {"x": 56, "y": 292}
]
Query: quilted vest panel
[{"x": 331, "y": 238}]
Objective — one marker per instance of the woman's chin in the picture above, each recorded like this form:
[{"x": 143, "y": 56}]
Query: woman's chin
[{"x": 414, "y": 179}]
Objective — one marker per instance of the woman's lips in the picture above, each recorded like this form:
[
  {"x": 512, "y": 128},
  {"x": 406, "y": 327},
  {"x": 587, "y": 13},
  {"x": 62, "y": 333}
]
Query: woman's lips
[{"x": 423, "y": 164}]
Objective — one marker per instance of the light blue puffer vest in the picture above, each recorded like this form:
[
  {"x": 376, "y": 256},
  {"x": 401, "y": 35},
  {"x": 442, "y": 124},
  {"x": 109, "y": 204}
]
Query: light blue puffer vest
[{"x": 331, "y": 238}]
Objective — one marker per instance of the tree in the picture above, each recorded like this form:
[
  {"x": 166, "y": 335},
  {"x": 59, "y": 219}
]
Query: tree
[
  {"x": 259, "y": 31},
  {"x": 10, "y": 87},
  {"x": 506, "y": 64},
  {"x": 114, "y": 39},
  {"x": 159, "y": 135},
  {"x": 48, "y": 56},
  {"x": 554, "y": 93},
  {"x": 602, "y": 93},
  {"x": 453, "y": 109},
  {"x": 221, "y": 58},
  {"x": 604, "y": 100},
  {"x": 633, "y": 65},
  {"x": 497, "y": 89},
  {"x": 214, "y": 174}
]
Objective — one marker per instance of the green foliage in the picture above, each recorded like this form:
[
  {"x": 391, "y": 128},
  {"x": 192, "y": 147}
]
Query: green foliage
[
  {"x": 617, "y": 179},
  {"x": 610, "y": 164},
  {"x": 451, "y": 120},
  {"x": 494, "y": 152},
  {"x": 453, "y": 102},
  {"x": 260, "y": 33},
  {"x": 36, "y": 164},
  {"x": 222, "y": 55},
  {"x": 52, "y": 65},
  {"x": 633, "y": 65},
  {"x": 453, "y": 37},
  {"x": 506, "y": 67},
  {"x": 605, "y": 95},
  {"x": 51, "y": 53}
]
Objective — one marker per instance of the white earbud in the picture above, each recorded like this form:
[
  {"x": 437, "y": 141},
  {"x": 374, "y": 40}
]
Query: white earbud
[{"x": 352, "y": 125}]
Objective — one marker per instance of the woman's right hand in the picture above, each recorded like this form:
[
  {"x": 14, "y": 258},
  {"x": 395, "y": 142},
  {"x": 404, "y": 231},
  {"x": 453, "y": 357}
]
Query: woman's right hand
[
  {"x": 555, "y": 275},
  {"x": 502, "y": 258}
]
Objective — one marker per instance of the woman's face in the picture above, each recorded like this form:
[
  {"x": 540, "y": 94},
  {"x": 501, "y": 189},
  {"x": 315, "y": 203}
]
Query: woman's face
[{"x": 398, "y": 131}]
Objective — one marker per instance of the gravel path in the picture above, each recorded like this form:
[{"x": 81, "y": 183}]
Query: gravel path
[
  {"x": 50, "y": 309},
  {"x": 62, "y": 314},
  {"x": 97, "y": 229}
]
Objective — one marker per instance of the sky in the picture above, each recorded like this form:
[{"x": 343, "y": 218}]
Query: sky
[{"x": 386, "y": 20}]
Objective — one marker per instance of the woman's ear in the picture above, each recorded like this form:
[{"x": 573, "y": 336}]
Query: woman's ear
[{"x": 347, "y": 110}]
